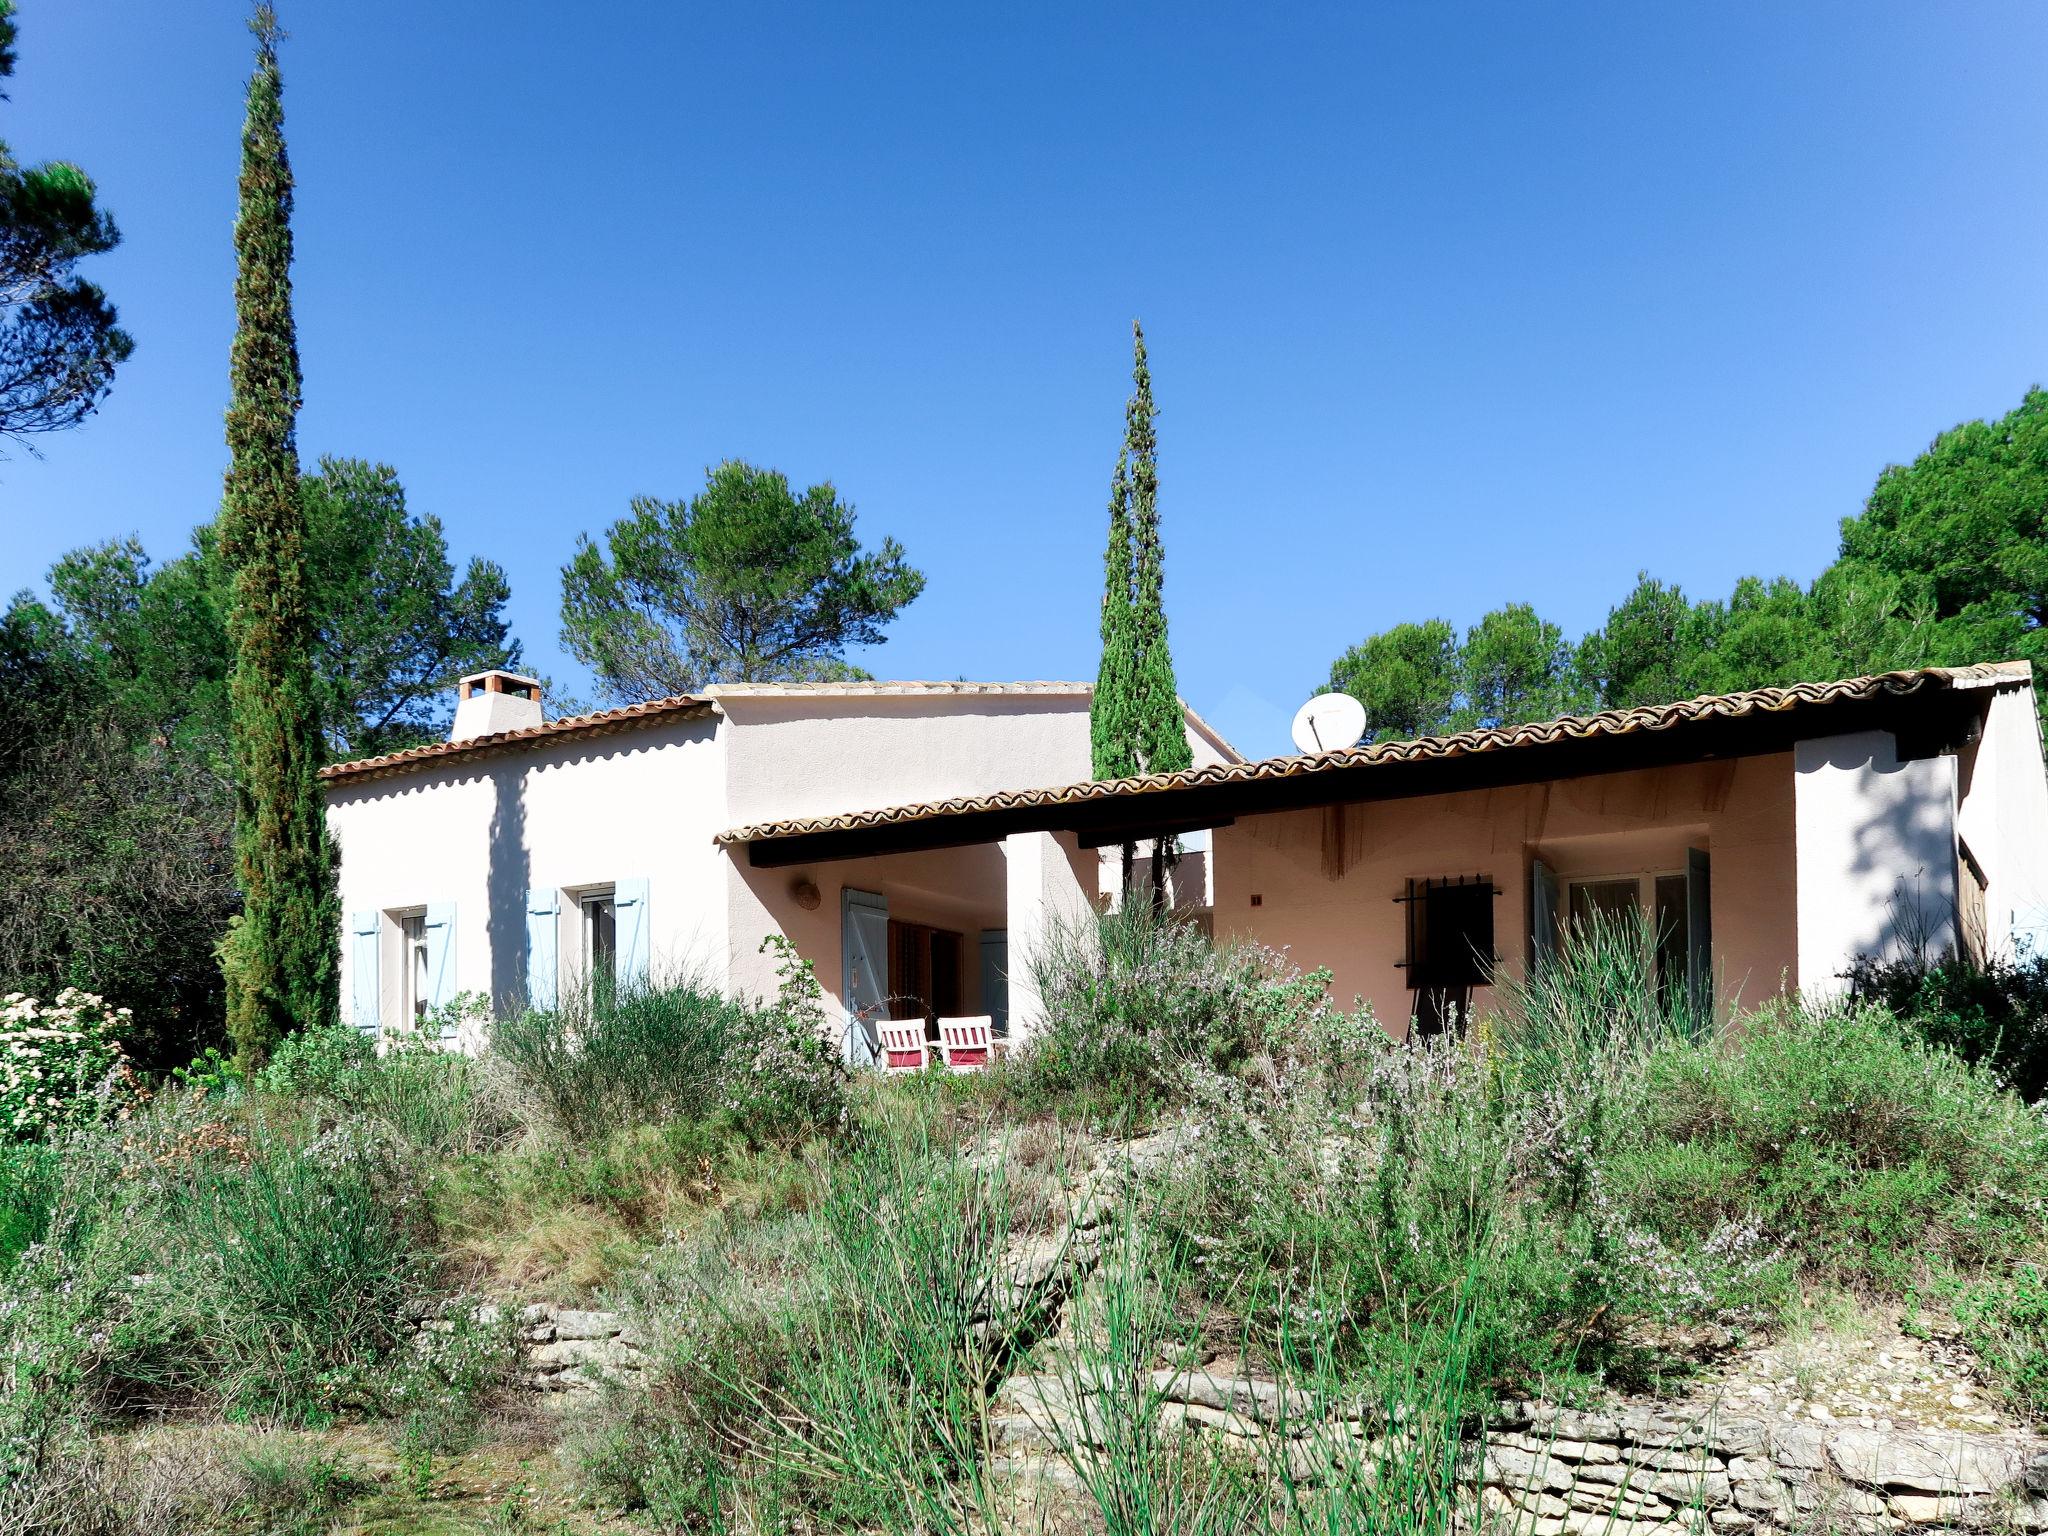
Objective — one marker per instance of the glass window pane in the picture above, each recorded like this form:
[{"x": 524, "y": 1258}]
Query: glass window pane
[
  {"x": 1609, "y": 901},
  {"x": 1671, "y": 936},
  {"x": 602, "y": 916}
]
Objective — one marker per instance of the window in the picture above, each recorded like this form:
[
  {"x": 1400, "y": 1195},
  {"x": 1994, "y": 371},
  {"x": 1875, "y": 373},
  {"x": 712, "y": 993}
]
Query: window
[
  {"x": 600, "y": 939},
  {"x": 1662, "y": 899},
  {"x": 1450, "y": 946},
  {"x": 416, "y": 978}
]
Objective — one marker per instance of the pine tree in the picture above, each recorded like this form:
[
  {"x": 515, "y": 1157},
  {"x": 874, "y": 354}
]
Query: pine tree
[{"x": 279, "y": 960}]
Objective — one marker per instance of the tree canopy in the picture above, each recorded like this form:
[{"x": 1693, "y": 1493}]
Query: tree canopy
[
  {"x": 748, "y": 581},
  {"x": 393, "y": 627},
  {"x": 1946, "y": 564},
  {"x": 60, "y": 339}
]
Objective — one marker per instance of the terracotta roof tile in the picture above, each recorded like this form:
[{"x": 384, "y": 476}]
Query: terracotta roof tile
[
  {"x": 604, "y": 722},
  {"x": 1607, "y": 723}
]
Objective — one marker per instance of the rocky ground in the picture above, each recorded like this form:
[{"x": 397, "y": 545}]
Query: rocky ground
[{"x": 1860, "y": 1367}]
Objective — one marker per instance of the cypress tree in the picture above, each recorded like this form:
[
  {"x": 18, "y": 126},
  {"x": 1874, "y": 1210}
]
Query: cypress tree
[
  {"x": 1161, "y": 733},
  {"x": 1135, "y": 723},
  {"x": 1112, "y": 734},
  {"x": 280, "y": 958}
]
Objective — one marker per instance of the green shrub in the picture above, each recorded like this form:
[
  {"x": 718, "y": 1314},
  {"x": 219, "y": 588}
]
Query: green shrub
[
  {"x": 837, "y": 1364},
  {"x": 1133, "y": 999},
  {"x": 1865, "y": 1152},
  {"x": 258, "y": 1263},
  {"x": 2005, "y": 1320},
  {"x": 1996, "y": 1013},
  {"x": 681, "y": 1051},
  {"x": 28, "y": 1177}
]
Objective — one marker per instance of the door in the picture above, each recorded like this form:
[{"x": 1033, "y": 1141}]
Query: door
[
  {"x": 1699, "y": 937},
  {"x": 864, "y": 952},
  {"x": 1542, "y": 914},
  {"x": 995, "y": 978}
]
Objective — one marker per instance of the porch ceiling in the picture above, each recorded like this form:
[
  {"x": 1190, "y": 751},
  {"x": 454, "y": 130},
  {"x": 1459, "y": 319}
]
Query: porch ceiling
[{"x": 1930, "y": 708}]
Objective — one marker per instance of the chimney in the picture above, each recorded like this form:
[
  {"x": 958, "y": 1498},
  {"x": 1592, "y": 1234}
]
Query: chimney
[{"x": 489, "y": 702}]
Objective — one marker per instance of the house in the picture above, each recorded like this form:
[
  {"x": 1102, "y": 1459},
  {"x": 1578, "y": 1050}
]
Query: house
[
  {"x": 523, "y": 856},
  {"x": 1773, "y": 838}
]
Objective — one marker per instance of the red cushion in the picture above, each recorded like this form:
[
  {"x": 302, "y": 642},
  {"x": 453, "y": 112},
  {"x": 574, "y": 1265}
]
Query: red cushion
[
  {"x": 905, "y": 1058},
  {"x": 968, "y": 1056}
]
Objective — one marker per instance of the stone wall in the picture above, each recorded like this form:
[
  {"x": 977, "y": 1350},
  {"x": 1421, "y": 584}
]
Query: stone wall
[
  {"x": 1637, "y": 1472},
  {"x": 556, "y": 1349}
]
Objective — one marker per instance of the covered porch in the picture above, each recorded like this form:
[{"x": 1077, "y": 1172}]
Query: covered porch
[
  {"x": 1770, "y": 838},
  {"x": 929, "y": 934}
]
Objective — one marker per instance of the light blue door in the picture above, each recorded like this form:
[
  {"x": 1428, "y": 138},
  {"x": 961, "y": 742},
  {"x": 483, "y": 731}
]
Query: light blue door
[
  {"x": 629, "y": 904},
  {"x": 864, "y": 948}
]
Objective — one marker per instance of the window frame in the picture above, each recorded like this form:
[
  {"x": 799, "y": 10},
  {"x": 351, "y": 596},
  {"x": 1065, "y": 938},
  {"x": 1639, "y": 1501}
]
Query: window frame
[{"x": 590, "y": 900}]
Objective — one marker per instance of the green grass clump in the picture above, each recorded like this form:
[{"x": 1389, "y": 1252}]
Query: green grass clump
[{"x": 679, "y": 1051}]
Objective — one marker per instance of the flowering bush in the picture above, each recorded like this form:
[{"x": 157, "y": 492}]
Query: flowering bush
[
  {"x": 62, "y": 1063},
  {"x": 1135, "y": 1001}
]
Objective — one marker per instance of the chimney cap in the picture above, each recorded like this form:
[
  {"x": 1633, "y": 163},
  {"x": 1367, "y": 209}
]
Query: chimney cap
[{"x": 494, "y": 679}]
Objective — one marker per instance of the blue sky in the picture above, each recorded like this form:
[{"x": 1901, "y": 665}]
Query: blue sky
[{"x": 1449, "y": 304}]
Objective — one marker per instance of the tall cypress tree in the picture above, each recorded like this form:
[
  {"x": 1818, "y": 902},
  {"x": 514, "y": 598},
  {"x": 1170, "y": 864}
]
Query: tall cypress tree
[
  {"x": 1112, "y": 733},
  {"x": 280, "y": 959},
  {"x": 1135, "y": 723},
  {"x": 1162, "y": 738}
]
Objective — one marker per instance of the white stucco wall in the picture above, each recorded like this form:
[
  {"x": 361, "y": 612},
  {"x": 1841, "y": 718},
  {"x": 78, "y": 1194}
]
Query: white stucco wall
[
  {"x": 648, "y": 804},
  {"x": 2003, "y": 816},
  {"x": 1051, "y": 893},
  {"x": 1876, "y": 855},
  {"x": 570, "y": 815}
]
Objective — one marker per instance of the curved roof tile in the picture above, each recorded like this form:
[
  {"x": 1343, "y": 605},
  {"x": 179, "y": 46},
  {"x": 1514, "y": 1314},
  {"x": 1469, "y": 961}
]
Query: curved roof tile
[{"x": 1607, "y": 723}]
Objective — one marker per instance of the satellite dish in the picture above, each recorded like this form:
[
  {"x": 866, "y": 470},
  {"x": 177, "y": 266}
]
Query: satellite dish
[{"x": 1329, "y": 722}]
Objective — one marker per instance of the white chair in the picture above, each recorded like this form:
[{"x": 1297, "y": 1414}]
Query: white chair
[
  {"x": 904, "y": 1048},
  {"x": 967, "y": 1044}
]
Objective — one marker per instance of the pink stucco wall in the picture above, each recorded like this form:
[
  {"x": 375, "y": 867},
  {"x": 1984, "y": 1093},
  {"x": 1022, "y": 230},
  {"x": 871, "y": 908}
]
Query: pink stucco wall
[
  {"x": 962, "y": 889},
  {"x": 1326, "y": 879}
]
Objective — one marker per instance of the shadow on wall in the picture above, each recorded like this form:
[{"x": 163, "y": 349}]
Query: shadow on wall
[
  {"x": 506, "y": 887},
  {"x": 1908, "y": 836}
]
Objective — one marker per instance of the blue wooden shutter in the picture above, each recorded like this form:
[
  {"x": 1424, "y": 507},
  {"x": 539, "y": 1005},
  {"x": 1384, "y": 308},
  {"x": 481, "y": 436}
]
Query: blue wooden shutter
[
  {"x": 364, "y": 999},
  {"x": 543, "y": 930},
  {"x": 864, "y": 953},
  {"x": 440, "y": 925},
  {"x": 629, "y": 903},
  {"x": 995, "y": 977}
]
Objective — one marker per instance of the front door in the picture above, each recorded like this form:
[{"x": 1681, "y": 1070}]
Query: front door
[{"x": 864, "y": 949}]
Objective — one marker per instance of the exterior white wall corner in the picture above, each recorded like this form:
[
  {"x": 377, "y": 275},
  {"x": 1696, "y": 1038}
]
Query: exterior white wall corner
[
  {"x": 1051, "y": 890},
  {"x": 1876, "y": 855}
]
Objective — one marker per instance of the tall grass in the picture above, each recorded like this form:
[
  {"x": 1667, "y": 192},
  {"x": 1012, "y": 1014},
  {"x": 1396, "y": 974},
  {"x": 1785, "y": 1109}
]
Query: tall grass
[
  {"x": 843, "y": 1372},
  {"x": 636, "y": 1057},
  {"x": 678, "y": 1050}
]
